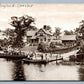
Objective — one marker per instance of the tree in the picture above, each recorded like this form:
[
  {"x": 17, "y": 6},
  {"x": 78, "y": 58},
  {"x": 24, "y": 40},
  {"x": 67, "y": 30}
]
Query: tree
[
  {"x": 41, "y": 47},
  {"x": 66, "y": 32},
  {"x": 11, "y": 35},
  {"x": 57, "y": 32},
  {"x": 77, "y": 30},
  {"x": 0, "y": 30},
  {"x": 32, "y": 28},
  {"x": 21, "y": 24},
  {"x": 81, "y": 27},
  {"x": 80, "y": 33},
  {"x": 80, "y": 30}
]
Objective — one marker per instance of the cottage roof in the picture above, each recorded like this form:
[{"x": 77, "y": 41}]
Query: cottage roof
[
  {"x": 33, "y": 37},
  {"x": 31, "y": 33},
  {"x": 54, "y": 38},
  {"x": 69, "y": 37},
  {"x": 45, "y": 31}
]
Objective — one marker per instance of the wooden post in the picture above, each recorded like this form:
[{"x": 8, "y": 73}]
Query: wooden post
[
  {"x": 51, "y": 56},
  {"x": 35, "y": 55},
  {"x": 56, "y": 59}
]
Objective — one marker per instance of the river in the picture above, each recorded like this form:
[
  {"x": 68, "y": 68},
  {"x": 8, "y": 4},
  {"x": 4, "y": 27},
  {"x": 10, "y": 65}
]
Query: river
[{"x": 16, "y": 70}]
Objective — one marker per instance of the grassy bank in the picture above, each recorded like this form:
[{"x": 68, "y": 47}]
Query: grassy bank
[{"x": 61, "y": 51}]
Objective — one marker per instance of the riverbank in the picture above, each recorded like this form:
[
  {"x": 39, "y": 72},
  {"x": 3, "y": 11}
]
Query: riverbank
[
  {"x": 33, "y": 50},
  {"x": 27, "y": 49},
  {"x": 61, "y": 50}
]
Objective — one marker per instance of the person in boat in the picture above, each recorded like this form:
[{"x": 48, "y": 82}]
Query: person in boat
[
  {"x": 60, "y": 57},
  {"x": 46, "y": 56},
  {"x": 51, "y": 55},
  {"x": 31, "y": 56},
  {"x": 35, "y": 54},
  {"x": 41, "y": 56},
  {"x": 56, "y": 57},
  {"x": 28, "y": 56}
]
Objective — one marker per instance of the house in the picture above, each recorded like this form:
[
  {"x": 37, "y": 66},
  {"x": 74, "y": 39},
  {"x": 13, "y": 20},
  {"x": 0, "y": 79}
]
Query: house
[
  {"x": 67, "y": 39},
  {"x": 31, "y": 37},
  {"x": 39, "y": 35},
  {"x": 43, "y": 35},
  {"x": 55, "y": 40}
]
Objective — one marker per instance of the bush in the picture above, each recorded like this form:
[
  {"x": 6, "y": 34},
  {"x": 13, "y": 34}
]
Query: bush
[
  {"x": 41, "y": 47},
  {"x": 52, "y": 45},
  {"x": 34, "y": 44},
  {"x": 30, "y": 44},
  {"x": 72, "y": 58}
]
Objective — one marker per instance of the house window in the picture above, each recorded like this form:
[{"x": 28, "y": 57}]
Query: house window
[
  {"x": 41, "y": 34},
  {"x": 48, "y": 40},
  {"x": 44, "y": 39},
  {"x": 41, "y": 40}
]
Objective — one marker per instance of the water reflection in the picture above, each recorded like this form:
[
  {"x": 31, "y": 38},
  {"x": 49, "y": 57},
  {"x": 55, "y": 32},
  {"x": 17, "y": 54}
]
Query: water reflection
[
  {"x": 11, "y": 70},
  {"x": 18, "y": 74},
  {"x": 81, "y": 73},
  {"x": 33, "y": 72},
  {"x": 51, "y": 72},
  {"x": 6, "y": 68},
  {"x": 17, "y": 71}
]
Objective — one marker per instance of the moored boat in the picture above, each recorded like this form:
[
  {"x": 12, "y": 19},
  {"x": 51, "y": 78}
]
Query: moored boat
[
  {"x": 35, "y": 61},
  {"x": 12, "y": 55},
  {"x": 39, "y": 61}
]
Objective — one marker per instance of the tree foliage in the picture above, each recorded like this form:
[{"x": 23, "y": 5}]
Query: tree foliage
[
  {"x": 41, "y": 46},
  {"x": 11, "y": 35},
  {"x": 80, "y": 33},
  {"x": 21, "y": 24},
  {"x": 57, "y": 32},
  {"x": 80, "y": 30},
  {"x": 81, "y": 27},
  {"x": 66, "y": 32}
]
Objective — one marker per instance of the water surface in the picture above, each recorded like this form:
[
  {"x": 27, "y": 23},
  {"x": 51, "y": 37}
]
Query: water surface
[{"x": 16, "y": 70}]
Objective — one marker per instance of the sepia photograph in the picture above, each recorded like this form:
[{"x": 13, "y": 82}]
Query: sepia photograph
[{"x": 41, "y": 42}]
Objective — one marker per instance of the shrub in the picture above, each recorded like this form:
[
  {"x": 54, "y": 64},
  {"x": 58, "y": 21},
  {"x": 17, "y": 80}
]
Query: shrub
[
  {"x": 41, "y": 47},
  {"x": 72, "y": 58},
  {"x": 34, "y": 44},
  {"x": 52, "y": 45},
  {"x": 30, "y": 45}
]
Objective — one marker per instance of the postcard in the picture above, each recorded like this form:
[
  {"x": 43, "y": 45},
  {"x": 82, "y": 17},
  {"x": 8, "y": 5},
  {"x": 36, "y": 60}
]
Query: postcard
[{"x": 41, "y": 42}]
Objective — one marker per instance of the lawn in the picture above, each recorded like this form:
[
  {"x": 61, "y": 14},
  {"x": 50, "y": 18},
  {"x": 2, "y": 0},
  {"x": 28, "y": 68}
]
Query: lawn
[{"x": 29, "y": 48}]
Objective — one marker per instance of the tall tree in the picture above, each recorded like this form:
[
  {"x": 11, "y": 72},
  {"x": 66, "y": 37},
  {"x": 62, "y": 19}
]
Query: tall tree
[
  {"x": 32, "y": 28},
  {"x": 57, "y": 32},
  {"x": 80, "y": 33},
  {"x": 77, "y": 32},
  {"x": 81, "y": 27},
  {"x": 21, "y": 24}
]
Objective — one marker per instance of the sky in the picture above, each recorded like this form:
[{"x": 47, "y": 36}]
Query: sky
[{"x": 65, "y": 16}]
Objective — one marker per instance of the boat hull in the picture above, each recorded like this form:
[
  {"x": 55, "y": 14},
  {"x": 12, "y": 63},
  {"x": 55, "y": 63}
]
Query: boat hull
[
  {"x": 36, "y": 61},
  {"x": 40, "y": 61}
]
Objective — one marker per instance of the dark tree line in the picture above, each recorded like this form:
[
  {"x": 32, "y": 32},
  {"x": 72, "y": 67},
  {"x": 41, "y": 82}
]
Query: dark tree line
[{"x": 80, "y": 33}]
